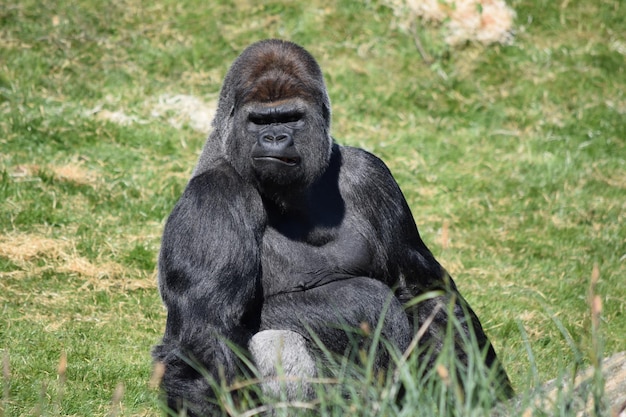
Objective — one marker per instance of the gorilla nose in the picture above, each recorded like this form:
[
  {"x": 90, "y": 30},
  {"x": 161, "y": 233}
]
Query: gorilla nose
[{"x": 275, "y": 140}]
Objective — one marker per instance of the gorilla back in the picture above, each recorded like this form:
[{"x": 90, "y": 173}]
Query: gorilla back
[{"x": 282, "y": 234}]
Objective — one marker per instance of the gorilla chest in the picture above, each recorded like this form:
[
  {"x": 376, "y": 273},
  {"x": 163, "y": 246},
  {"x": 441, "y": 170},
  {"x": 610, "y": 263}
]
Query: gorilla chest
[{"x": 313, "y": 257}]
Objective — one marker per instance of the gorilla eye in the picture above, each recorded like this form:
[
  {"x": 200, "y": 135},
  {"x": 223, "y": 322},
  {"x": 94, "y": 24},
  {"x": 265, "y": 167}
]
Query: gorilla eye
[
  {"x": 258, "y": 119},
  {"x": 275, "y": 117},
  {"x": 292, "y": 117}
]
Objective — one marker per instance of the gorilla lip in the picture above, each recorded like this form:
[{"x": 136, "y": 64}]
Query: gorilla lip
[{"x": 283, "y": 160}]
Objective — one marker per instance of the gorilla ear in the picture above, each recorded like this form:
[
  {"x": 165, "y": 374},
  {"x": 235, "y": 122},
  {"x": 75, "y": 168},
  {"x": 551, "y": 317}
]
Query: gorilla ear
[{"x": 326, "y": 112}]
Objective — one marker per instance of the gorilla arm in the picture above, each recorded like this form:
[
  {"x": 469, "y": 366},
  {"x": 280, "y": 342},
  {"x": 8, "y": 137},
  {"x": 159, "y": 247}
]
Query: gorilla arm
[
  {"x": 209, "y": 278},
  {"x": 419, "y": 272},
  {"x": 412, "y": 270}
]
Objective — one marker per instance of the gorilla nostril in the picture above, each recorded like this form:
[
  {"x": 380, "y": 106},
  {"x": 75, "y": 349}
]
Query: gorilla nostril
[{"x": 276, "y": 139}]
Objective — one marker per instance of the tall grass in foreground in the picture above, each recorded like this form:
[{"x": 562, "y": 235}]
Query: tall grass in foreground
[{"x": 411, "y": 388}]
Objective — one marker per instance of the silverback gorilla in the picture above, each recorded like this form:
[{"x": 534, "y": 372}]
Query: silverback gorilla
[{"x": 283, "y": 237}]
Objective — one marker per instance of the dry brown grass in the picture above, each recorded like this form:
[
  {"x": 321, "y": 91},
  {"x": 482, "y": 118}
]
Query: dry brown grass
[
  {"x": 21, "y": 248},
  {"x": 73, "y": 172},
  {"x": 76, "y": 174},
  {"x": 35, "y": 254}
]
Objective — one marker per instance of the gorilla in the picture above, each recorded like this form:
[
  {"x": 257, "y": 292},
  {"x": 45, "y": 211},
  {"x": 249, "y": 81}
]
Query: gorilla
[{"x": 284, "y": 240}]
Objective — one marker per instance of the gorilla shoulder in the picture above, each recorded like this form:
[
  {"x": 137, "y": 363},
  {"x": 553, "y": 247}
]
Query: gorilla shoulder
[{"x": 365, "y": 173}]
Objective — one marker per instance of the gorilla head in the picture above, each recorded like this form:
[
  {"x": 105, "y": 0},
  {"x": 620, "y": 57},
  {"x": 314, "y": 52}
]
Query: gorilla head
[{"x": 273, "y": 119}]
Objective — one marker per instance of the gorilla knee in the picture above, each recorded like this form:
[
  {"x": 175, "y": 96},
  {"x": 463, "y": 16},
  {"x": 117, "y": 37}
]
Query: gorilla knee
[{"x": 283, "y": 363}]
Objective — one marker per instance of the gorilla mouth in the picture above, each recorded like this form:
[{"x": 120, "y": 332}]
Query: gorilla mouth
[{"x": 279, "y": 159}]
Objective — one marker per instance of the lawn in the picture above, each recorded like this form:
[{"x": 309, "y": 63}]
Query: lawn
[{"x": 512, "y": 158}]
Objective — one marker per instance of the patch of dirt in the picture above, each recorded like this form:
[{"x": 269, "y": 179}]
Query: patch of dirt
[
  {"x": 183, "y": 109},
  {"x": 177, "y": 109},
  {"x": 484, "y": 21}
]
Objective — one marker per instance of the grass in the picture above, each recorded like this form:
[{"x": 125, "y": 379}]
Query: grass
[{"x": 512, "y": 158}]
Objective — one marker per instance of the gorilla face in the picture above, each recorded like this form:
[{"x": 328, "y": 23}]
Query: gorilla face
[
  {"x": 278, "y": 118},
  {"x": 275, "y": 157},
  {"x": 289, "y": 146}
]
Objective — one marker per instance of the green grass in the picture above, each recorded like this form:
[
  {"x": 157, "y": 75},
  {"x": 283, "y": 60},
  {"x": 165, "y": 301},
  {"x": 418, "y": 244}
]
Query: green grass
[{"x": 519, "y": 150}]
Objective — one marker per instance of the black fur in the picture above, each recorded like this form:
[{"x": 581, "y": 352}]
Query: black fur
[{"x": 281, "y": 228}]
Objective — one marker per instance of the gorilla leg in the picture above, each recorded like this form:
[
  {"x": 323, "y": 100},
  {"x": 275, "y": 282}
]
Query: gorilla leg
[
  {"x": 341, "y": 316},
  {"x": 465, "y": 333}
]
